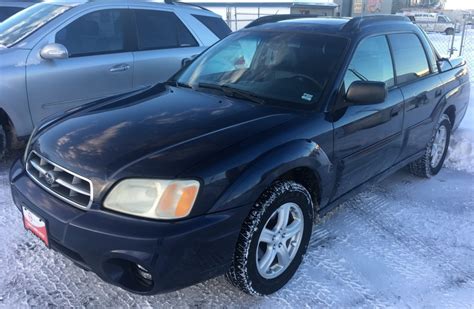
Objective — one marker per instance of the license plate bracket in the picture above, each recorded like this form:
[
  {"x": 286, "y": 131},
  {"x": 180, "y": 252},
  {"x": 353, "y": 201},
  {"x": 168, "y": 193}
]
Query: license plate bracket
[{"x": 35, "y": 224}]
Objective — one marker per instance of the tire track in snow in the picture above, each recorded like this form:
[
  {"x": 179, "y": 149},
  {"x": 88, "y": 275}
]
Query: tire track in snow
[
  {"x": 366, "y": 239},
  {"x": 405, "y": 236},
  {"x": 336, "y": 265}
]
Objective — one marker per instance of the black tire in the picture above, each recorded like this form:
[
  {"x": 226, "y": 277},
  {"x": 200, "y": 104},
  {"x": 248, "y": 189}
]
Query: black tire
[
  {"x": 449, "y": 31},
  {"x": 423, "y": 167},
  {"x": 3, "y": 142},
  {"x": 244, "y": 273}
]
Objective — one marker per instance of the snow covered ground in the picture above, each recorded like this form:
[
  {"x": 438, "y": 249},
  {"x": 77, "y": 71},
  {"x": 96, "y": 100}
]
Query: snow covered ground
[{"x": 406, "y": 242}]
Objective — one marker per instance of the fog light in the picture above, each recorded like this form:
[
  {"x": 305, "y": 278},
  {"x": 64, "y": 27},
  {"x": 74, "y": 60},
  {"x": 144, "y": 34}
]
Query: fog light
[{"x": 144, "y": 274}]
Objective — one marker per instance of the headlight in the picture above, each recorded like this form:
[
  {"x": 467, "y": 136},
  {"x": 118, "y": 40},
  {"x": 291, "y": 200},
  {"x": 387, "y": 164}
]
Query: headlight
[{"x": 156, "y": 199}]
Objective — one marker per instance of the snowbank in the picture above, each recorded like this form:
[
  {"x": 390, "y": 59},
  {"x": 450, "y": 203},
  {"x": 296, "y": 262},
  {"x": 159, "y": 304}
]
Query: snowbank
[{"x": 461, "y": 150}]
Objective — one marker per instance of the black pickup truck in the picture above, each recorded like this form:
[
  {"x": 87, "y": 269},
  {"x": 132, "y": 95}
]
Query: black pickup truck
[{"x": 225, "y": 168}]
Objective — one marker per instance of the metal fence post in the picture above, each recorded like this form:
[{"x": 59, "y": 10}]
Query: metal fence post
[
  {"x": 463, "y": 36},
  {"x": 451, "y": 49},
  {"x": 236, "y": 19}
]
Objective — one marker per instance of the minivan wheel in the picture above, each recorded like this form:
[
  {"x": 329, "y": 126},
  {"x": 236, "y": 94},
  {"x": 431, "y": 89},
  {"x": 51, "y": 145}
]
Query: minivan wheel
[
  {"x": 3, "y": 142},
  {"x": 436, "y": 151},
  {"x": 273, "y": 239}
]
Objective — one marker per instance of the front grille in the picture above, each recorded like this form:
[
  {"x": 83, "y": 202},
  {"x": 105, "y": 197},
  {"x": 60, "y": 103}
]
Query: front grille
[{"x": 69, "y": 187}]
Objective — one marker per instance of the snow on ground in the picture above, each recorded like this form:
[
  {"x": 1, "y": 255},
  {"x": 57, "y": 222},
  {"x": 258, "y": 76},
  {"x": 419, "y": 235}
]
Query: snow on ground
[
  {"x": 461, "y": 150},
  {"x": 405, "y": 242}
]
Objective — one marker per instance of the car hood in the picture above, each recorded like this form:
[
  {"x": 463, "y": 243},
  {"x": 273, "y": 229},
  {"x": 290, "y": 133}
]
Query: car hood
[
  {"x": 12, "y": 57},
  {"x": 176, "y": 127}
]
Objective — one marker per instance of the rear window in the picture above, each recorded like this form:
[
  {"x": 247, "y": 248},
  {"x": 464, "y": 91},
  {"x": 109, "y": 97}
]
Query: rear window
[
  {"x": 409, "y": 56},
  {"x": 7, "y": 11},
  {"x": 215, "y": 24},
  {"x": 160, "y": 30}
]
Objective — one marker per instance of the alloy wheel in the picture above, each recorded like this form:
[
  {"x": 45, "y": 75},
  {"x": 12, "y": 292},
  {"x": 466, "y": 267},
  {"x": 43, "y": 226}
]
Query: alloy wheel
[{"x": 279, "y": 240}]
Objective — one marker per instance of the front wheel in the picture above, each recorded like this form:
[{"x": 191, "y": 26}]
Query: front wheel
[
  {"x": 273, "y": 239},
  {"x": 436, "y": 151}
]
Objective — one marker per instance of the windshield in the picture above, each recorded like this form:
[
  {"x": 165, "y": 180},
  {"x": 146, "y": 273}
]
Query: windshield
[
  {"x": 7, "y": 11},
  {"x": 275, "y": 67},
  {"x": 24, "y": 23}
]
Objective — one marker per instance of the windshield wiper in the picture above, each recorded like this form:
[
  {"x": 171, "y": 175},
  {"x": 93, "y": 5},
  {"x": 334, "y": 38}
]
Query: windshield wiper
[
  {"x": 358, "y": 74},
  {"x": 178, "y": 84},
  {"x": 234, "y": 92}
]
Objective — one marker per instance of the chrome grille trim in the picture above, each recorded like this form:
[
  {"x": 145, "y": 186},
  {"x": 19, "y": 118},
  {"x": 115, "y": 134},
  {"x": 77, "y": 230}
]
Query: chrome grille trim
[{"x": 62, "y": 183}]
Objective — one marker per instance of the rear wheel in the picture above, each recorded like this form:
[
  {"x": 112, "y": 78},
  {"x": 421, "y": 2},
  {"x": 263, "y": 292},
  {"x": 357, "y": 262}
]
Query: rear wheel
[
  {"x": 273, "y": 239},
  {"x": 3, "y": 142},
  {"x": 436, "y": 151}
]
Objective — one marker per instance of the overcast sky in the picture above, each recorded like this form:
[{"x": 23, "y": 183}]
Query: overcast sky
[{"x": 460, "y": 4}]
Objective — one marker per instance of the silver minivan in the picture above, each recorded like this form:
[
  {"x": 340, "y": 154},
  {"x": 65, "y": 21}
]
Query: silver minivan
[{"x": 55, "y": 56}]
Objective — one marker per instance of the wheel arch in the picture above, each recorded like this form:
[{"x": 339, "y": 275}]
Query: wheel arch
[
  {"x": 309, "y": 179},
  {"x": 4, "y": 119},
  {"x": 8, "y": 126},
  {"x": 302, "y": 161},
  {"x": 451, "y": 112}
]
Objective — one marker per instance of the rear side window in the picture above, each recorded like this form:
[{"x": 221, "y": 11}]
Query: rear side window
[
  {"x": 101, "y": 32},
  {"x": 409, "y": 56},
  {"x": 371, "y": 62},
  {"x": 159, "y": 30},
  {"x": 7, "y": 11},
  {"x": 215, "y": 24}
]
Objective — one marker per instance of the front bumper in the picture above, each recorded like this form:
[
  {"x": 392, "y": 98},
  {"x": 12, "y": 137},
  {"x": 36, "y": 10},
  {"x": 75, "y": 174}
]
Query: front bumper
[{"x": 177, "y": 254}]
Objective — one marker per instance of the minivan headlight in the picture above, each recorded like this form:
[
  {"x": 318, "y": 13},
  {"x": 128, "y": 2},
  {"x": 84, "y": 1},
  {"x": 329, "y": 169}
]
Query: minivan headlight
[{"x": 156, "y": 199}]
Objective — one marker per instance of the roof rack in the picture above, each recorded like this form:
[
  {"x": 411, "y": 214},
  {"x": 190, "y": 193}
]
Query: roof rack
[
  {"x": 278, "y": 17},
  {"x": 356, "y": 23},
  {"x": 173, "y": 2}
]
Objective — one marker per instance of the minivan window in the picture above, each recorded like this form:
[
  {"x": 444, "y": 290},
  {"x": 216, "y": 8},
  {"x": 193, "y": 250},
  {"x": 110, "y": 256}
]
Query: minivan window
[
  {"x": 280, "y": 68},
  {"x": 7, "y": 11},
  {"x": 409, "y": 57},
  {"x": 215, "y": 24},
  {"x": 24, "y": 23},
  {"x": 101, "y": 32},
  {"x": 372, "y": 61},
  {"x": 160, "y": 29}
]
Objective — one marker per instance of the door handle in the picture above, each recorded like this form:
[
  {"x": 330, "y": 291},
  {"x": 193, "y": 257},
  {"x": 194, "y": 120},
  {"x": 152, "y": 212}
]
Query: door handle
[
  {"x": 438, "y": 93},
  {"x": 119, "y": 68},
  {"x": 396, "y": 110}
]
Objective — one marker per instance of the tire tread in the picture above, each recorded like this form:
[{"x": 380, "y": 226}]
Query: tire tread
[{"x": 237, "y": 274}]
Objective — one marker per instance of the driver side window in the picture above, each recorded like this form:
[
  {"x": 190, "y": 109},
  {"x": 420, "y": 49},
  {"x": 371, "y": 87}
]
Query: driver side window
[
  {"x": 96, "y": 33},
  {"x": 372, "y": 61}
]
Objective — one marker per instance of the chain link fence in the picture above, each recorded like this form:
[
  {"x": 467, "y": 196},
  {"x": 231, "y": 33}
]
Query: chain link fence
[{"x": 460, "y": 43}]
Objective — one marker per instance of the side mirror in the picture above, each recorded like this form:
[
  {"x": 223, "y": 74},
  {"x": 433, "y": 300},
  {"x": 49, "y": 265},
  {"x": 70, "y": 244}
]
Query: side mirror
[
  {"x": 187, "y": 61},
  {"x": 54, "y": 51},
  {"x": 365, "y": 93},
  {"x": 444, "y": 65}
]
